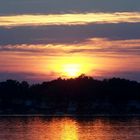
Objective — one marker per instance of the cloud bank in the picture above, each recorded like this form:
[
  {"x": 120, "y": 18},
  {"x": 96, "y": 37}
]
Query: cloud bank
[
  {"x": 65, "y": 6},
  {"x": 69, "y": 19},
  {"x": 102, "y": 46}
]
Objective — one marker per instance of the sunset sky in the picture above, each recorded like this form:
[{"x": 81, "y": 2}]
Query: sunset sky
[{"x": 46, "y": 39}]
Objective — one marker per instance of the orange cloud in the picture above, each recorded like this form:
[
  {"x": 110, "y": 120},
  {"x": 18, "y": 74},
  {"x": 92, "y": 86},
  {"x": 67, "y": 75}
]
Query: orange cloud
[
  {"x": 57, "y": 59},
  {"x": 92, "y": 45},
  {"x": 69, "y": 19}
]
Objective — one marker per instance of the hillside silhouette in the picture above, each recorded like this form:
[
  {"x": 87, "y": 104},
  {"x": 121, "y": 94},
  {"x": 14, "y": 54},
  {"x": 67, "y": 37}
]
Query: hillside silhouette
[{"x": 77, "y": 96}]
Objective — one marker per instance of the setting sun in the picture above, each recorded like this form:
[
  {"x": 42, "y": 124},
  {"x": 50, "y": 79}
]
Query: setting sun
[
  {"x": 70, "y": 67},
  {"x": 72, "y": 70}
]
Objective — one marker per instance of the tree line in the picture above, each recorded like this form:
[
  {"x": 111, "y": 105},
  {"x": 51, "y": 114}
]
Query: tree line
[{"x": 58, "y": 94}]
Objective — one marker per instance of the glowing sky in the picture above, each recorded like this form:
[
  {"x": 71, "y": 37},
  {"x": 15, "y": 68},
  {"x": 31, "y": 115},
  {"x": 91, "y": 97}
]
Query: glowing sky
[
  {"x": 46, "y": 39},
  {"x": 69, "y": 19}
]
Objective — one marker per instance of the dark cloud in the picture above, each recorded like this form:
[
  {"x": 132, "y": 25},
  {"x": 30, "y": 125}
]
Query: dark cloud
[
  {"x": 16, "y": 76},
  {"x": 59, "y": 6},
  {"x": 110, "y": 52},
  {"x": 131, "y": 75},
  {"x": 27, "y": 76},
  {"x": 68, "y": 34}
]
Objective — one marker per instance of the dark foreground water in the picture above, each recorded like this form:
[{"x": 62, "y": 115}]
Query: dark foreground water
[{"x": 64, "y": 128}]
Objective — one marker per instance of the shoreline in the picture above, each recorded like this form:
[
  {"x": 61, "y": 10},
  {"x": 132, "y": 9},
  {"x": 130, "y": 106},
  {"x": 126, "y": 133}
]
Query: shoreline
[{"x": 69, "y": 115}]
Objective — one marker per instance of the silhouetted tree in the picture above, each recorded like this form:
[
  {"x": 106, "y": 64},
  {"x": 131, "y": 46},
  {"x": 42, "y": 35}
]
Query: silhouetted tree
[{"x": 87, "y": 94}]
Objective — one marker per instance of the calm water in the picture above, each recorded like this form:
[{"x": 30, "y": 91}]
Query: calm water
[{"x": 44, "y": 128}]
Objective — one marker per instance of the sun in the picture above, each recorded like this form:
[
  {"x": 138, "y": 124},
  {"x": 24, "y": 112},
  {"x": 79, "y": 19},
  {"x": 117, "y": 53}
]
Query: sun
[
  {"x": 70, "y": 66},
  {"x": 72, "y": 70}
]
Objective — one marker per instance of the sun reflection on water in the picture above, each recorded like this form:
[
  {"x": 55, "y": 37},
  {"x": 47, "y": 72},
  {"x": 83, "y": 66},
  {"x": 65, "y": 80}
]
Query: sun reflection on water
[
  {"x": 69, "y": 130},
  {"x": 65, "y": 128}
]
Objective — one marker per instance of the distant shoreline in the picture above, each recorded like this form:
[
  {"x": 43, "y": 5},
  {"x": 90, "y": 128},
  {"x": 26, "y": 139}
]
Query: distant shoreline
[
  {"x": 69, "y": 115},
  {"x": 82, "y": 96}
]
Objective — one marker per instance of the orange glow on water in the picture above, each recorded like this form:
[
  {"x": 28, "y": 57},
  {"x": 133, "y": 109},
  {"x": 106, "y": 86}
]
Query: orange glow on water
[{"x": 69, "y": 131}]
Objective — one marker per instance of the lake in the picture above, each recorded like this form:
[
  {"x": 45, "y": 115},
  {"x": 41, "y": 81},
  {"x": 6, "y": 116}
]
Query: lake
[{"x": 69, "y": 128}]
